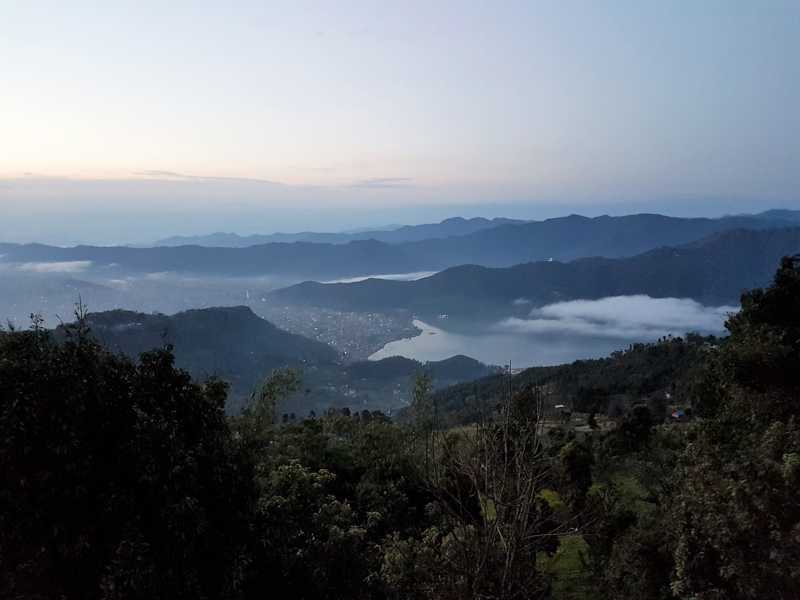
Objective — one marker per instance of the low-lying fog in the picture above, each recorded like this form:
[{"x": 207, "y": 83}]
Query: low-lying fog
[
  {"x": 53, "y": 288},
  {"x": 390, "y": 276},
  {"x": 565, "y": 331},
  {"x": 551, "y": 334}
]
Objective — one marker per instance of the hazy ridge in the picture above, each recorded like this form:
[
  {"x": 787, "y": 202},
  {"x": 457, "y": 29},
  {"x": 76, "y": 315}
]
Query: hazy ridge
[{"x": 715, "y": 270}]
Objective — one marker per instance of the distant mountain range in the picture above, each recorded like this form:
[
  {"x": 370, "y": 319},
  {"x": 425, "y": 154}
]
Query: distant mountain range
[
  {"x": 396, "y": 234},
  {"x": 714, "y": 270},
  {"x": 236, "y": 345},
  {"x": 561, "y": 239},
  {"x": 390, "y": 235}
]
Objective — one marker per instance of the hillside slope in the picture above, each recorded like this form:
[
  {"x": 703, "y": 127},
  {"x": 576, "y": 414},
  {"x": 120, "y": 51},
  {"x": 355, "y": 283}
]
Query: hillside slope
[
  {"x": 236, "y": 345},
  {"x": 712, "y": 271},
  {"x": 658, "y": 374},
  {"x": 232, "y": 343}
]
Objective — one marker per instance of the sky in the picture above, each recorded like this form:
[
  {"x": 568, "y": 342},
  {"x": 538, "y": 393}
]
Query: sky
[{"x": 124, "y": 122}]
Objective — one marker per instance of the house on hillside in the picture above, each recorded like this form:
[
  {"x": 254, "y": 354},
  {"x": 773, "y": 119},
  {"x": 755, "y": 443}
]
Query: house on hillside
[
  {"x": 564, "y": 412},
  {"x": 680, "y": 415}
]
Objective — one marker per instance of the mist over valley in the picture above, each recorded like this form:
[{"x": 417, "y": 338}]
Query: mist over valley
[
  {"x": 400, "y": 300},
  {"x": 568, "y": 306}
]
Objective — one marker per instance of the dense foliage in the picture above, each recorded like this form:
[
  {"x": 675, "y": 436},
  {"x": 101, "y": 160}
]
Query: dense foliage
[
  {"x": 116, "y": 477},
  {"x": 125, "y": 479},
  {"x": 646, "y": 373},
  {"x": 711, "y": 512}
]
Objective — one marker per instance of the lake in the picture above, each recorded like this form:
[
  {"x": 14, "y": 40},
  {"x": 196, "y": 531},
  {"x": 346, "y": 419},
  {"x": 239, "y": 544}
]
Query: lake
[
  {"x": 563, "y": 332},
  {"x": 498, "y": 348}
]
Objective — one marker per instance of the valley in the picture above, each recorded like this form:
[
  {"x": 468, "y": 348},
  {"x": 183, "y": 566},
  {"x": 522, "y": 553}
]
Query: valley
[
  {"x": 538, "y": 313},
  {"x": 400, "y": 300}
]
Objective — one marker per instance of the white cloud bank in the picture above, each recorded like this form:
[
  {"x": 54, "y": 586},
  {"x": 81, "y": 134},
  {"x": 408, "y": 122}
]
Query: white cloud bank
[
  {"x": 628, "y": 317},
  {"x": 70, "y": 266},
  {"x": 416, "y": 275}
]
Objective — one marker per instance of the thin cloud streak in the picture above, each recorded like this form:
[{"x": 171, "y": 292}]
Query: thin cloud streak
[
  {"x": 174, "y": 176},
  {"x": 385, "y": 183}
]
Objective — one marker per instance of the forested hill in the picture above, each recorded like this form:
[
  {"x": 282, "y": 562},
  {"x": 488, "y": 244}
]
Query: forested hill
[
  {"x": 241, "y": 348},
  {"x": 230, "y": 342},
  {"x": 564, "y": 238},
  {"x": 714, "y": 270},
  {"x": 643, "y": 373},
  {"x": 455, "y": 368}
]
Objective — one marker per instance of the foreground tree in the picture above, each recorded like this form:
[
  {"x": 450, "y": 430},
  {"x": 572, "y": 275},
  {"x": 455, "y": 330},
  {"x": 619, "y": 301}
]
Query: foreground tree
[
  {"x": 489, "y": 520},
  {"x": 735, "y": 516},
  {"x": 115, "y": 477}
]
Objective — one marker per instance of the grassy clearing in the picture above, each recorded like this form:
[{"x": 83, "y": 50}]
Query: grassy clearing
[
  {"x": 553, "y": 499},
  {"x": 569, "y": 577},
  {"x": 566, "y": 568}
]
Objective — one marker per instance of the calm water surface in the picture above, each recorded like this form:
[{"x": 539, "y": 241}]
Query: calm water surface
[{"x": 498, "y": 348}]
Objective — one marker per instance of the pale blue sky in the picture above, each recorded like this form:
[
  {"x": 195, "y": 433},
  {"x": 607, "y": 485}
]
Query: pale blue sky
[{"x": 126, "y": 121}]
